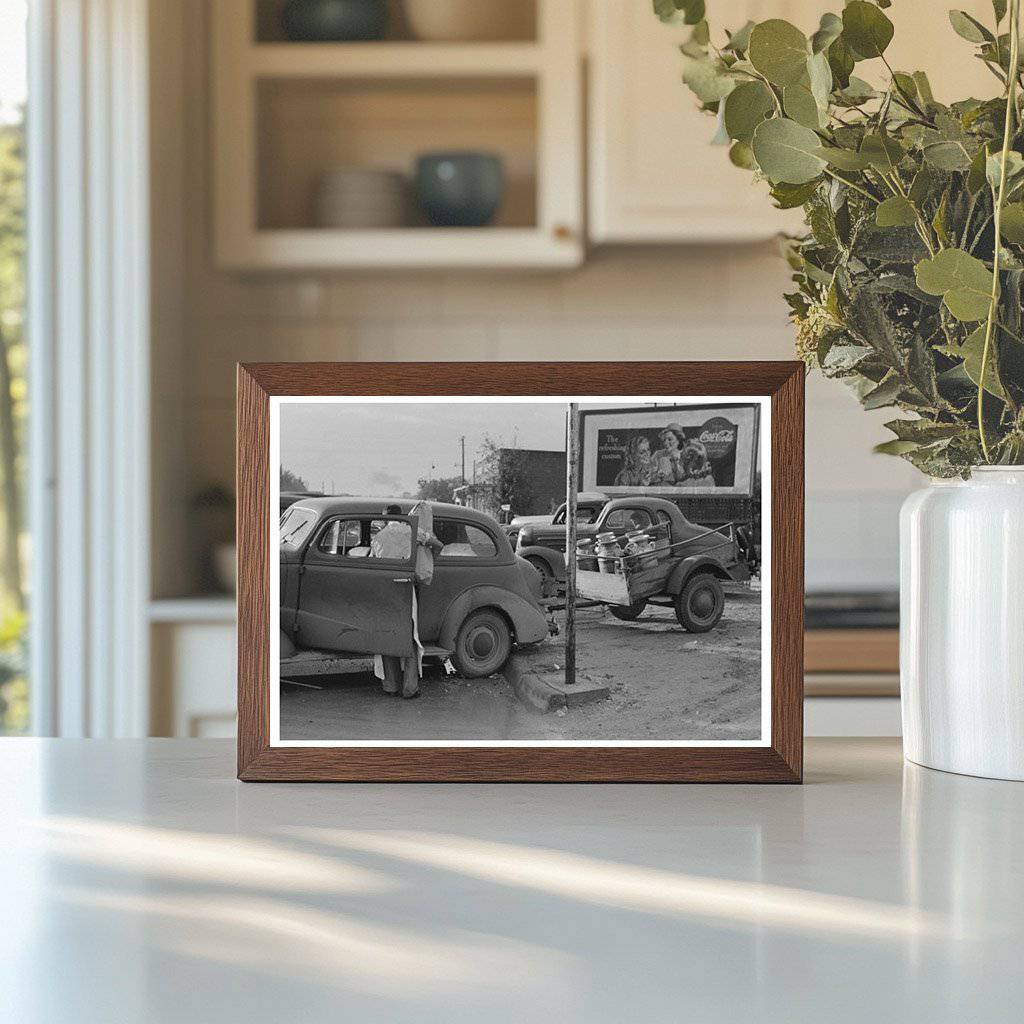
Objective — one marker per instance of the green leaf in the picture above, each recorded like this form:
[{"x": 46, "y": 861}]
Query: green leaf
[
  {"x": 741, "y": 155},
  {"x": 885, "y": 394},
  {"x": 819, "y": 74},
  {"x": 779, "y": 51},
  {"x": 922, "y": 185},
  {"x": 947, "y": 156},
  {"x": 971, "y": 352},
  {"x": 895, "y": 447},
  {"x": 857, "y": 91},
  {"x": 1012, "y": 223},
  {"x": 707, "y": 78},
  {"x": 690, "y": 12},
  {"x": 999, "y": 9},
  {"x": 801, "y": 106},
  {"x": 841, "y": 63},
  {"x": 923, "y": 431},
  {"x": 883, "y": 152},
  {"x": 787, "y": 151},
  {"x": 739, "y": 41},
  {"x": 829, "y": 30},
  {"x": 976, "y": 173},
  {"x": 993, "y": 167},
  {"x": 963, "y": 281},
  {"x": 924, "y": 88},
  {"x": 866, "y": 29},
  {"x": 788, "y": 196},
  {"x": 969, "y": 28},
  {"x": 844, "y": 159},
  {"x": 745, "y": 108},
  {"x": 895, "y": 212}
]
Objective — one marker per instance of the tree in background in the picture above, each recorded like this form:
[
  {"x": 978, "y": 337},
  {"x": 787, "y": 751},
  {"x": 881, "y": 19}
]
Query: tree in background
[
  {"x": 13, "y": 411},
  {"x": 439, "y": 489},
  {"x": 506, "y": 473},
  {"x": 292, "y": 481}
]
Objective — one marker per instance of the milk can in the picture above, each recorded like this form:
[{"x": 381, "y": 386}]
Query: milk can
[{"x": 608, "y": 552}]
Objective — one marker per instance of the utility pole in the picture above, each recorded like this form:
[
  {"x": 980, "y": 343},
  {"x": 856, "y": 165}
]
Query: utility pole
[
  {"x": 572, "y": 458},
  {"x": 462, "y": 441}
]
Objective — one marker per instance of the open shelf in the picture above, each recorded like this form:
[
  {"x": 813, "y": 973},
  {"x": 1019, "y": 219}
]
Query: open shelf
[
  {"x": 286, "y": 114},
  {"x": 387, "y": 60},
  {"x": 309, "y": 127}
]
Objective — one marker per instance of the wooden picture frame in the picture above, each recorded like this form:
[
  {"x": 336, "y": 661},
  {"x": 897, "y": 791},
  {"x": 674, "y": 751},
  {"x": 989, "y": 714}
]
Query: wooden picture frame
[{"x": 779, "y": 760}]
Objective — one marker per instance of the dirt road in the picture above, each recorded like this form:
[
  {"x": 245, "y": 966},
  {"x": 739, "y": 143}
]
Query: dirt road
[{"x": 665, "y": 684}]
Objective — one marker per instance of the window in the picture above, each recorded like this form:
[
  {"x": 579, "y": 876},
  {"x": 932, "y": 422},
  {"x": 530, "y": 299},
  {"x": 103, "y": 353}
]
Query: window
[
  {"x": 344, "y": 537},
  {"x": 586, "y": 516},
  {"x": 14, "y": 689},
  {"x": 628, "y": 519},
  {"x": 295, "y": 526},
  {"x": 463, "y": 540},
  {"x": 389, "y": 539}
]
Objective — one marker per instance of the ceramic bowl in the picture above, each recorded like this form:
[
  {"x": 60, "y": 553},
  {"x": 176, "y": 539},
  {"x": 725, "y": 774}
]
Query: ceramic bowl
[
  {"x": 333, "y": 21},
  {"x": 470, "y": 20},
  {"x": 460, "y": 189}
]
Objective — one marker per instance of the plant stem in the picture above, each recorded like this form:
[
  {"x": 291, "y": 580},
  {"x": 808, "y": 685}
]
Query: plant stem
[
  {"x": 1011, "y": 108},
  {"x": 853, "y": 185}
]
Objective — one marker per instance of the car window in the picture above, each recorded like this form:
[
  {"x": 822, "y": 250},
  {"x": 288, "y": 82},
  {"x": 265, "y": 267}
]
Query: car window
[
  {"x": 343, "y": 537},
  {"x": 295, "y": 526},
  {"x": 628, "y": 519},
  {"x": 463, "y": 540},
  {"x": 586, "y": 516},
  {"x": 663, "y": 517},
  {"x": 367, "y": 538}
]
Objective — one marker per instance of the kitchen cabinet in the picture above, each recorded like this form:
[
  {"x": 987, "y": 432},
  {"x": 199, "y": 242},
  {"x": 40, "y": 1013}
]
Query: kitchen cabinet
[
  {"x": 653, "y": 175},
  {"x": 287, "y": 114}
]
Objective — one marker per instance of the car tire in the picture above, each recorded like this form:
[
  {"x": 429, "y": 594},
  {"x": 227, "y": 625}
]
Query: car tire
[
  {"x": 541, "y": 566},
  {"x": 628, "y": 612},
  {"x": 699, "y": 605},
  {"x": 482, "y": 645}
]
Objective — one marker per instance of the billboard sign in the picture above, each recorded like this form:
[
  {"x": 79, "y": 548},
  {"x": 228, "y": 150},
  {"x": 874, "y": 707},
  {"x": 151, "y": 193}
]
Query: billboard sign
[{"x": 670, "y": 450}]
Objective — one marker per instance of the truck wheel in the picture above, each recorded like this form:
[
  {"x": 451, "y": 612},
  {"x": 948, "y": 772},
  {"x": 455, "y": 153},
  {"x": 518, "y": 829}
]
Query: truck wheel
[
  {"x": 628, "y": 612},
  {"x": 482, "y": 645},
  {"x": 699, "y": 605}
]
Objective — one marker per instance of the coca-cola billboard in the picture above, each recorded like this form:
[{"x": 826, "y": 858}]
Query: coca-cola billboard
[{"x": 671, "y": 449}]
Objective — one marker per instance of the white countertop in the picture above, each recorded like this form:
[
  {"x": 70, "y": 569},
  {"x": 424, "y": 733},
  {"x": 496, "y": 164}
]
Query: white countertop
[{"x": 140, "y": 882}]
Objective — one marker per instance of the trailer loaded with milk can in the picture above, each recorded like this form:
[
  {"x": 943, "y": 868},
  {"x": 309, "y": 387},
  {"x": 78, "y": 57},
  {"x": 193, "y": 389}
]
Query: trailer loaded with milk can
[{"x": 643, "y": 551}]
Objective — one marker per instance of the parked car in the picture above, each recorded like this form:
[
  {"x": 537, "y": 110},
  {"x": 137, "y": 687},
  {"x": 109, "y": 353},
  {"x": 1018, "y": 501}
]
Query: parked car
[
  {"x": 685, "y": 574},
  {"x": 348, "y": 571},
  {"x": 543, "y": 544},
  {"x": 289, "y": 498}
]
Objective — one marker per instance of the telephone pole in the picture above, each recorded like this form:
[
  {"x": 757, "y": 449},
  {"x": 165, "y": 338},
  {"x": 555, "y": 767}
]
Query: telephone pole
[
  {"x": 462, "y": 442},
  {"x": 572, "y": 458}
]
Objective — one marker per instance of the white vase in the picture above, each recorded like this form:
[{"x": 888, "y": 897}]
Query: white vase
[{"x": 962, "y": 624}]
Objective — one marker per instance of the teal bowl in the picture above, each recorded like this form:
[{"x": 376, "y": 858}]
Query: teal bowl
[
  {"x": 462, "y": 190},
  {"x": 334, "y": 21}
]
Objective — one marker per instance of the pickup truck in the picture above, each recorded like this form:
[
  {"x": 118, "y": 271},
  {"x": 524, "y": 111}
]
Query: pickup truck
[
  {"x": 685, "y": 574},
  {"x": 543, "y": 544}
]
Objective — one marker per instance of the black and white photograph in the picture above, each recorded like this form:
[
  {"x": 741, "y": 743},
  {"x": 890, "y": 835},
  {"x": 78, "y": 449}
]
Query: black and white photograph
[{"x": 519, "y": 571}]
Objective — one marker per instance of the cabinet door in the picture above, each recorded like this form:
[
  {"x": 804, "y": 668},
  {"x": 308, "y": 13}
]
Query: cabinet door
[{"x": 654, "y": 177}]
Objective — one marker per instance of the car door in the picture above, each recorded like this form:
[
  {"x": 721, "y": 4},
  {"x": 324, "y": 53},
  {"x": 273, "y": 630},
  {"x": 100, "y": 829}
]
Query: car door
[
  {"x": 356, "y": 586},
  {"x": 469, "y": 557}
]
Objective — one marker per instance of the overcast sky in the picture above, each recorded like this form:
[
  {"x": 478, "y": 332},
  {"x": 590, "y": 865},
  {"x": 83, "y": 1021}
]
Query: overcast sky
[{"x": 382, "y": 449}]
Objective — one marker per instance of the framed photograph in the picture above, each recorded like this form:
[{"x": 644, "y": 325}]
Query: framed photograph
[{"x": 520, "y": 571}]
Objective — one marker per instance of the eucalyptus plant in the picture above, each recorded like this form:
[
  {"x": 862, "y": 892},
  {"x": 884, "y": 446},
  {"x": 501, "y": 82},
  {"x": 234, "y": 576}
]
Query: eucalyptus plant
[{"x": 910, "y": 277}]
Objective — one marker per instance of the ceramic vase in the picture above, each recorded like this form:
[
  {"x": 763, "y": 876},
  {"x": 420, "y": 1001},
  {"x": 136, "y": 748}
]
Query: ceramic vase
[{"x": 962, "y": 624}]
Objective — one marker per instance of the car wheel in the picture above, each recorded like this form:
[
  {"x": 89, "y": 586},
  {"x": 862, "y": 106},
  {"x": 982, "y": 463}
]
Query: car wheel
[
  {"x": 541, "y": 566},
  {"x": 483, "y": 644},
  {"x": 628, "y": 612},
  {"x": 700, "y": 603}
]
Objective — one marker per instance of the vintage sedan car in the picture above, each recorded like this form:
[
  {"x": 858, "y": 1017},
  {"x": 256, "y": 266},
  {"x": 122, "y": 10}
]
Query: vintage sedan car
[
  {"x": 543, "y": 544},
  {"x": 348, "y": 576},
  {"x": 685, "y": 575}
]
